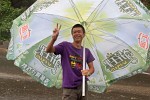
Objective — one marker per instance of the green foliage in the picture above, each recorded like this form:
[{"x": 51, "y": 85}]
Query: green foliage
[
  {"x": 146, "y": 3},
  {"x": 22, "y": 3},
  {"x": 7, "y": 13},
  {"x": 9, "y": 10}
]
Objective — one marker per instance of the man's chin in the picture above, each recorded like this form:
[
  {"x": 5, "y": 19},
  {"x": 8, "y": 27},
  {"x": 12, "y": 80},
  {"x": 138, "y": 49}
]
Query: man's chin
[{"x": 78, "y": 40}]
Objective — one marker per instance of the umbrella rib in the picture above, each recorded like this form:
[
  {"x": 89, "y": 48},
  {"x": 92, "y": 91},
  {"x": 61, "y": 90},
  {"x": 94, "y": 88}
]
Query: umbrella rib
[
  {"x": 116, "y": 42},
  {"x": 98, "y": 11},
  {"x": 111, "y": 26},
  {"x": 101, "y": 9},
  {"x": 96, "y": 53},
  {"x": 91, "y": 43},
  {"x": 107, "y": 39},
  {"x": 57, "y": 18},
  {"x": 62, "y": 36},
  {"x": 100, "y": 36},
  {"x": 115, "y": 18},
  {"x": 76, "y": 11},
  {"x": 108, "y": 35},
  {"x": 107, "y": 19},
  {"x": 108, "y": 25},
  {"x": 63, "y": 22},
  {"x": 112, "y": 20}
]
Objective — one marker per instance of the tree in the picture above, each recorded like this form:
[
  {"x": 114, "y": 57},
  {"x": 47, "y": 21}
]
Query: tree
[
  {"x": 22, "y": 3},
  {"x": 146, "y": 3},
  {"x": 9, "y": 10},
  {"x": 7, "y": 13}
]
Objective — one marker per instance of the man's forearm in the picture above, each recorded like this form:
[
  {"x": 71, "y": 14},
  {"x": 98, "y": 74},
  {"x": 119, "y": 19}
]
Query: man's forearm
[
  {"x": 91, "y": 68},
  {"x": 50, "y": 48},
  {"x": 91, "y": 71}
]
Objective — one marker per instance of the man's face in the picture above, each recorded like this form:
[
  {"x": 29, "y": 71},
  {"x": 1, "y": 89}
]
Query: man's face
[{"x": 77, "y": 34}]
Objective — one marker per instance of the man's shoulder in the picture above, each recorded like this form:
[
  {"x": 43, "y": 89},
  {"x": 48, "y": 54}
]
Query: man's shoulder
[
  {"x": 87, "y": 49},
  {"x": 65, "y": 43}
]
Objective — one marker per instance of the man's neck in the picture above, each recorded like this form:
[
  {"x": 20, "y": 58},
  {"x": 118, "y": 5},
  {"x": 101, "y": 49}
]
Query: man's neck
[{"x": 77, "y": 45}]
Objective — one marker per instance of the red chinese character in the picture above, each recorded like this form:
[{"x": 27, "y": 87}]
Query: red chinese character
[
  {"x": 24, "y": 32},
  {"x": 143, "y": 41}
]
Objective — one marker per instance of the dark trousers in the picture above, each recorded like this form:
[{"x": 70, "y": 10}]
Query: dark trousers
[{"x": 74, "y": 93}]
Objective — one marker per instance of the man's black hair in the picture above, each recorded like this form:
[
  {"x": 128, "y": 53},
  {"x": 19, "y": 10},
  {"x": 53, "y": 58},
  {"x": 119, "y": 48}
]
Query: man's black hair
[{"x": 78, "y": 25}]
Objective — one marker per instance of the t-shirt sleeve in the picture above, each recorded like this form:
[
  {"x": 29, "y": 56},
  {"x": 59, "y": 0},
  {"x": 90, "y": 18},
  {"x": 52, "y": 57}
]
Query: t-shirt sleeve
[
  {"x": 59, "y": 48},
  {"x": 90, "y": 57}
]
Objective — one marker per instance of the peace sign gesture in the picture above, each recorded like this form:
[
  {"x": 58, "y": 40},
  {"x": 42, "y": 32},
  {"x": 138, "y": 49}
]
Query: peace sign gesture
[{"x": 56, "y": 32}]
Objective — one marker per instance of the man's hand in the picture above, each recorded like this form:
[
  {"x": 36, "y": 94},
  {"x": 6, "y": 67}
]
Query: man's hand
[
  {"x": 86, "y": 72},
  {"x": 50, "y": 48},
  {"x": 90, "y": 71},
  {"x": 56, "y": 32}
]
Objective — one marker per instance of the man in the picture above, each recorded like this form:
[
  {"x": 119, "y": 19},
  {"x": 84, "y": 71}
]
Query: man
[{"x": 71, "y": 61}]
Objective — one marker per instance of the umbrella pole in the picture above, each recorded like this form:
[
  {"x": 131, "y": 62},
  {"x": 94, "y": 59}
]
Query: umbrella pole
[
  {"x": 83, "y": 80},
  {"x": 83, "y": 86}
]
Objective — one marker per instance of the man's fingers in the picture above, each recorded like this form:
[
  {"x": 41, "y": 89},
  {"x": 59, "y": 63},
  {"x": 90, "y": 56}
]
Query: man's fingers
[{"x": 59, "y": 27}]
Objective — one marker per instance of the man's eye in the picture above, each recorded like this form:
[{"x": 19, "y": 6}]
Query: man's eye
[{"x": 79, "y": 31}]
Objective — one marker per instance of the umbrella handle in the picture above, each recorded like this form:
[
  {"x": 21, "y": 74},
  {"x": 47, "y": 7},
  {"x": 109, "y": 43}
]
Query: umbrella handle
[{"x": 83, "y": 86}]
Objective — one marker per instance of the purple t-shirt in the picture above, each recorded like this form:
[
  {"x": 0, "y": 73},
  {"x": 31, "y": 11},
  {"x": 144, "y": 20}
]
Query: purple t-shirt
[{"x": 71, "y": 61}]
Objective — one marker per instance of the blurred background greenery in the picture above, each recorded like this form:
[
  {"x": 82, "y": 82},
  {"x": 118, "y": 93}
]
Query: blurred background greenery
[
  {"x": 146, "y": 3},
  {"x": 10, "y": 9}
]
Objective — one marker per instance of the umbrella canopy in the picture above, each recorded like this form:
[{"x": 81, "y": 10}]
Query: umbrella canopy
[{"x": 117, "y": 34}]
